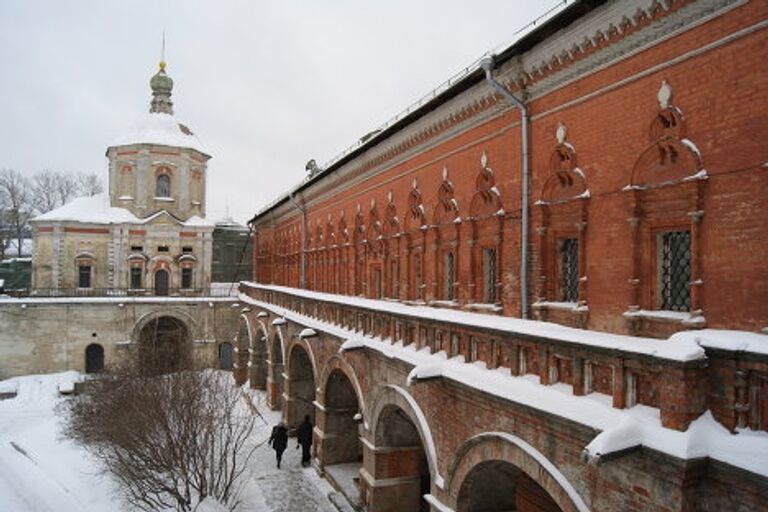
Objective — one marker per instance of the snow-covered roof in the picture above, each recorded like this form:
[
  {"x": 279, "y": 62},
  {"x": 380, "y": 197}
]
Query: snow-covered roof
[
  {"x": 161, "y": 129},
  {"x": 92, "y": 209},
  {"x": 97, "y": 210}
]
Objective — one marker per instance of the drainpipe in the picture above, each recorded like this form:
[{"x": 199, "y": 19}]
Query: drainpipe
[
  {"x": 302, "y": 261},
  {"x": 487, "y": 64}
]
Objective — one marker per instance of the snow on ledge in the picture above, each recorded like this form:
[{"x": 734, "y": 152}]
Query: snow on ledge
[
  {"x": 735, "y": 341},
  {"x": 683, "y": 317},
  {"x": 681, "y": 350},
  {"x": 278, "y": 321},
  {"x": 619, "y": 428},
  {"x": 307, "y": 333}
]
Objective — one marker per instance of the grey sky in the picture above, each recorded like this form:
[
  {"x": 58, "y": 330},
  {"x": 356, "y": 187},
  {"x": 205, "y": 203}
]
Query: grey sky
[{"x": 266, "y": 85}]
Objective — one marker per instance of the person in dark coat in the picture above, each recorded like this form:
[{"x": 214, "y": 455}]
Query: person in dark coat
[
  {"x": 304, "y": 439},
  {"x": 279, "y": 440}
]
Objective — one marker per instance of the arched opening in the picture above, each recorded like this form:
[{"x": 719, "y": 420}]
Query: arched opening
[
  {"x": 275, "y": 373},
  {"x": 163, "y": 186},
  {"x": 163, "y": 345},
  {"x": 162, "y": 280},
  {"x": 94, "y": 358},
  {"x": 300, "y": 388},
  {"x": 342, "y": 441},
  {"x": 258, "y": 376},
  {"x": 498, "y": 486},
  {"x": 225, "y": 356},
  {"x": 398, "y": 436}
]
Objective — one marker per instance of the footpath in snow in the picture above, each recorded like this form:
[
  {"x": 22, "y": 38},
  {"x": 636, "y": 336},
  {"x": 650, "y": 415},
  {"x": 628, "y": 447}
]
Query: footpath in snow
[{"x": 40, "y": 471}]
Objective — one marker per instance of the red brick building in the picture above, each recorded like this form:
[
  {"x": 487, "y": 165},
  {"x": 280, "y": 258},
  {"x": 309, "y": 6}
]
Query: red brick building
[{"x": 607, "y": 172}]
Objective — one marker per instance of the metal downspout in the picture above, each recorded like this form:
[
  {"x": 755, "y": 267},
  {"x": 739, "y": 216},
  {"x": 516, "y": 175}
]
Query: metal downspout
[
  {"x": 302, "y": 260},
  {"x": 487, "y": 64}
]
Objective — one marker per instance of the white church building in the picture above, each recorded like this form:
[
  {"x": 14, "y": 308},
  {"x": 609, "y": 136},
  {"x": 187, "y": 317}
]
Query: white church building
[{"x": 148, "y": 235}]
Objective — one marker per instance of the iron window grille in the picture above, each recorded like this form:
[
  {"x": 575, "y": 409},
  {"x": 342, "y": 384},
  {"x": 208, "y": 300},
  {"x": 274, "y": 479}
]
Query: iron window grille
[
  {"x": 489, "y": 267},
  {"x": 675, "y": 271},
  {"x": 84, "y": 276},
  {"x": 569, "y": 269},
  {"x": 419, "y": 285},
  {"x": 449, "y": 275},
  {"x": 136, "y": 278},
  {"x": 186, "y": 278}
]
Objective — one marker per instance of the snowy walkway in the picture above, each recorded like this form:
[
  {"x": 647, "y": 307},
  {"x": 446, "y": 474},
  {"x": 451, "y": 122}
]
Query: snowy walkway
[{"x": 41, "y": 472}]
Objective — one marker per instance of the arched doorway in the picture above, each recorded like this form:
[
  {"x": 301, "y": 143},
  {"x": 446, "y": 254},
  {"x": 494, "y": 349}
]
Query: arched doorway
[
  {"x": 341, "y": 443},
  {"x": 498, "y": 486},
  {"x": 164, "y": 346},
  {"x": 225, "y": 356},
  {"x": 94, "y": 358},
  {"x": 398, "y": 436},
  {"x": 162, "y": 279},
  {"x": 300, "y": 388}
]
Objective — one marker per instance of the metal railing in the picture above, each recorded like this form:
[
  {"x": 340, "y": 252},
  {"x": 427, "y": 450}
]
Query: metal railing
[{"x": 212, "y": 291}]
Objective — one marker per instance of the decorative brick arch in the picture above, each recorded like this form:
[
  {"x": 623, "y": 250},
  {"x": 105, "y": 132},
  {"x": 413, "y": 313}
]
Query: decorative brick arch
[
  {"x": 243, "y": 344},
  {"x": 561, "y": 225},
  {"x": 303, "y": 343},
  {"x": 506, "y": 447},
  {"x": 336, "y": 362},
  {"x": 299, "y": 394},
  {"x": 391, "y": 394}
]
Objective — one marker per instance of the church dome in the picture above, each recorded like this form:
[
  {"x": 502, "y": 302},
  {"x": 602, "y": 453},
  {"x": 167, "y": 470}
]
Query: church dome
[{"x": 161, "y": 82}]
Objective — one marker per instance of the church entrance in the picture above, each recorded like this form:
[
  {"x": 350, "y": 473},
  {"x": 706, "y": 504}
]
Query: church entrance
[
  {"x": 161, "y": 282},
  {"x": 94, "y": 358}
]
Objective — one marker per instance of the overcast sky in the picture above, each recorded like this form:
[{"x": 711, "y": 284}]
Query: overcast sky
[{"x": 266, "y": 85}]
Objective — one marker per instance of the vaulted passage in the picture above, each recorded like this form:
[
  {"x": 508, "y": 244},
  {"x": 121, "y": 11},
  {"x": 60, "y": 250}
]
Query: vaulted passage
[
  {"x": 497, "y": 486},
  {"x": 163, "y": 345},
  {"x": 399, "y": 465},
  {"x": 300, "y": 388},
  {"x": 258, "y": 368},
  {"x": 275, "y": 370},
  {"x": 341, "y": 442}
]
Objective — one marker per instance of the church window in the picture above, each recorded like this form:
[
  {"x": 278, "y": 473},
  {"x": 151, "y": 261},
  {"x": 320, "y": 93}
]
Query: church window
[
  {"x": 163, "y": 186},
  {"x": 162, "y": 248},
  {"x": 188, "y": 250},
  {"x": 136, "y": 248},
  {"x": 674, "y": 250},
  {"x": 136, "y": 278},
  {"x": 84, "y": 276},
  {"x": 418, "y": 276},
  {"x": 490, "y": 275},
  {"x": 568, "y": 266},
  {"x": 186, "y": 278}
]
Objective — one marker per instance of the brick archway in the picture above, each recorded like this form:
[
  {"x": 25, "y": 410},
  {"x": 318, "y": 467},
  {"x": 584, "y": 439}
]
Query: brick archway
[
  {"x": 518, "y": 458},
  {"x": 338, "y": 414},
  {"x": 243, "y": 343},
  {"x": 300, "y": 383},
  {"x": 399, "y": 454},
  {"x": 257, "y": 374},
  {"x": 275, "y": 368}
]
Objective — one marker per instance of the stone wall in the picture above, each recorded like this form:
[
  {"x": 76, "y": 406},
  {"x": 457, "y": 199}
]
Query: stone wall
[{"x": 51, "y": 335}]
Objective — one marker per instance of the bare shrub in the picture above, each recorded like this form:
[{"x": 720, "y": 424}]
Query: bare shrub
[{"x": 170, "y": 440}]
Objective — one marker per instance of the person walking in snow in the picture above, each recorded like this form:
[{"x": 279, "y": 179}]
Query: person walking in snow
[
  {"x": 279, "y": 440},
  {"x": 304, "y": 439}
]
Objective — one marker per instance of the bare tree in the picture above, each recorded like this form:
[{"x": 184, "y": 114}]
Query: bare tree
[
  {"x": 170, "y": 440},
  {"x": 16, "y": 191},
  {"x": 89, "y": 184},
  {"x": 66, "y": 188},
  {"x": 45, "y": 190}
]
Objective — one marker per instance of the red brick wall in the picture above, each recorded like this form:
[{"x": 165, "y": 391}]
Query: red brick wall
[{"x": 723, "y": 96}]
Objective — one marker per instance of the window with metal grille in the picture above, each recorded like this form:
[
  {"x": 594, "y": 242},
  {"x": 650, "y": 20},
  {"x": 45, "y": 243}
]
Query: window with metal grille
[
  {"x": 186, "y": 278},
  {"x": 675, "y": 270},
  {"x": 489, "y": 274},
  {"x": 568, "y": 249},
  {"x": 136, "y": 278},
  {"x": 84, "y": 276},
  {"x": 394, "y": 277},
  {"x": 417, "y": 276},
  {"x": 449, "y": 275}
]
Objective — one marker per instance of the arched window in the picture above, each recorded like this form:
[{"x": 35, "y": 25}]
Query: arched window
[
  {"x": 163, "y": 186},
  {"x": 94, "y": 358}
]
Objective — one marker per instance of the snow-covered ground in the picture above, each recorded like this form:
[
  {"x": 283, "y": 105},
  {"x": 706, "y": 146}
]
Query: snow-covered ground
[{"x": 40, "y": 471}]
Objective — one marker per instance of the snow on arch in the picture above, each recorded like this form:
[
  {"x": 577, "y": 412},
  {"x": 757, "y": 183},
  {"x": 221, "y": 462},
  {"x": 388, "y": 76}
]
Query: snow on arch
[
  {"x": 527, "y": 449},
  {"x": 248, "y": 328},
  {"x": 421, "y": 425},
  {"x": 300, "y": 342}
]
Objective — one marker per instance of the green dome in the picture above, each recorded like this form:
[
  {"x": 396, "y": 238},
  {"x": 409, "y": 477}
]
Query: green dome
[{"x": 161, "y": 82}]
